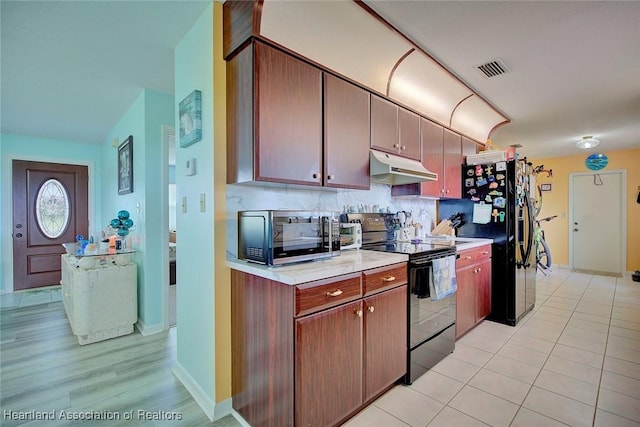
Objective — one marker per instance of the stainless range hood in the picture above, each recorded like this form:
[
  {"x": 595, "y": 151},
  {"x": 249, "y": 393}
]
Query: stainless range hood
[{"x": 395, "y": 170}]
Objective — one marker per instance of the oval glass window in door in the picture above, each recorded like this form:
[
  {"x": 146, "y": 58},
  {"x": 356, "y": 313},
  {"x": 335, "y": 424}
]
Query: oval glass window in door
[{"x": 52, "y": 209}]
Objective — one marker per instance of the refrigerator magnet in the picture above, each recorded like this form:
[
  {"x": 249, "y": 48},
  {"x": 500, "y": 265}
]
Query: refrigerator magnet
[
  {"x": 501, "y": 215},
  {"x": 481, "y": 213},
  {"x": 469, "y": 182},
  {"x": 501, "y": 166},
  {"x": 481, "y": 181},
  {"x": 489, "y": 169},
  {"x": 478, "y": 170},
  {"x": 500, "y": 202}
]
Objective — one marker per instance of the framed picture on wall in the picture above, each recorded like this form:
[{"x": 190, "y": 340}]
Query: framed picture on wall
[
  {"x": 190, "y": 116},
  {"x": 125, "y": 166}
]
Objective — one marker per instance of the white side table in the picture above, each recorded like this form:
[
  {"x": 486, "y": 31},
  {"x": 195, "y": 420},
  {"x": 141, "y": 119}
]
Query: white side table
[{"x": 99, "y": 291}]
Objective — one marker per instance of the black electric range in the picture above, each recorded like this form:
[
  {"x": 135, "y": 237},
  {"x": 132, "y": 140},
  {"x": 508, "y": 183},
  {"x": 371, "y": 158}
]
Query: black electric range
[{"x": 430, "y": 321}]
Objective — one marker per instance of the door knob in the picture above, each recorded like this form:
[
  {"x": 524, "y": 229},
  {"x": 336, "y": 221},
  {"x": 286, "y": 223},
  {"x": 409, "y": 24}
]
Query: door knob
[
  {"x": 575, "y": 229},
  {"x": 19, "y": 235},
  {"x": 18, "y": 226}
]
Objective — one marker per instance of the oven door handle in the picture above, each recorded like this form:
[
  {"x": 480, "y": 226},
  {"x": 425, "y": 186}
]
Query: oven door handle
[{"x": 430, "y": 261}]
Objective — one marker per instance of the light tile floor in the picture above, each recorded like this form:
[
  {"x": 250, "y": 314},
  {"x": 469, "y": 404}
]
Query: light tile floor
[{"x": 574, "y": 360}]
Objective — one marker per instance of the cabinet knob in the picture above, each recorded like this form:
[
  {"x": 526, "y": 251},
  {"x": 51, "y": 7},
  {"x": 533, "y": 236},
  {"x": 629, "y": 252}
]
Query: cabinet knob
[
  {"x": 404, "y": 147},
  {"x": 335, "y": 293},
  {"x": 467, "y": 257},
  {"x": 358, "y": 313},
  {"x": 389, "y": 278},
  {"x": 447, "y": 191},
  {"x": 316, "y": 175},
  {"x": 484, "y": 253},
  {"x": 330, "y": 177},
  {"x": 371, "y": 309}
]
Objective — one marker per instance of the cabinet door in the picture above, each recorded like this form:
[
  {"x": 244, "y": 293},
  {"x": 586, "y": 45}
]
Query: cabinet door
[
  {"x": 409, "y": 134},
  {"x": 288, "y": 115},
  {"x": 483, "y": 289},
  {"x": 385, "y": 339},
  {"x": 468, "y": 147},
  {"x": 328, "y": 367},
  {"x": 384, "y": 125},
  {"x": 452, "y": 165},
  {"x": 465, "y": 300},
  {"x": 346, "y": 134},
  {"x": 431, "y": 135}
]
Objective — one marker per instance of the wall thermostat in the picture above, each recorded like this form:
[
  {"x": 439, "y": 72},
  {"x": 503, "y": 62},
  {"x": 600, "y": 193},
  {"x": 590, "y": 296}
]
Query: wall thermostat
[{"x": 190, "y": 167}]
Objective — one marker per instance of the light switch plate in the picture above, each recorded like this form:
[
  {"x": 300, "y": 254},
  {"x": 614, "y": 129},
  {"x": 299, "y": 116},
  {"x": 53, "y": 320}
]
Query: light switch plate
[{"x": 190, "y": 167}]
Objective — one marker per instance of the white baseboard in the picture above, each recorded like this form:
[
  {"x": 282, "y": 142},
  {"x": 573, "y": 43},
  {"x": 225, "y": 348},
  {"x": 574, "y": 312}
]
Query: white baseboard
[
  {"x": 148, "y": 330},
  {"x": 209, "y": 407},
  {"x": 239, "y": 418}
]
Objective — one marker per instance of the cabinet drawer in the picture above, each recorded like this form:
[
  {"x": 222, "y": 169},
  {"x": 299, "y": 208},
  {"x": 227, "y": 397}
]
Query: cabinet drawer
[
  {"x": 322, "y": 294},
  {"x": 467, "y": 257},
  {"x": 473, "y": 256},
  {"x": 380, "y": 279},
  {"x": 482, "y": 253}
]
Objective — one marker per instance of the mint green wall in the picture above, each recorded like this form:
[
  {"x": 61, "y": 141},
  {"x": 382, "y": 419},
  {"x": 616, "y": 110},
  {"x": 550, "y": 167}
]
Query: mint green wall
[
  {"x": 22, "y": 147},
  {"x": 195, "y": 229},
  {"x": 143, "y": 120}
]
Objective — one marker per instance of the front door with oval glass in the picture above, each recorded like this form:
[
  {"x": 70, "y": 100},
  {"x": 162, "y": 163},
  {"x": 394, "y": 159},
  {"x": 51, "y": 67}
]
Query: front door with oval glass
[{"x": 49, "y": 208}]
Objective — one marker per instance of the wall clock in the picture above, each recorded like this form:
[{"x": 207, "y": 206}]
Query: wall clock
[{"x": 595, "y": 162}]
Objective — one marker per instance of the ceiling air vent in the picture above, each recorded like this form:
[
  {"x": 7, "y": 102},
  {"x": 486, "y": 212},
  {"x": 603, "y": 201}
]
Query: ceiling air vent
[{"x": 493, "y": 68}]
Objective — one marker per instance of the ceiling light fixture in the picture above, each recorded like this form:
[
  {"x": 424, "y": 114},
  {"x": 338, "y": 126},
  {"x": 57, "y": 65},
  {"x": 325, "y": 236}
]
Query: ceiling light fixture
[{"x": 587, "y": 142}]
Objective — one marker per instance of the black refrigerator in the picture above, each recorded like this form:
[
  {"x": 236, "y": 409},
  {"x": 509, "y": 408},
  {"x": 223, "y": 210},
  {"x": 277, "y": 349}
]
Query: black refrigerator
[{"x": 497, "y": 203}]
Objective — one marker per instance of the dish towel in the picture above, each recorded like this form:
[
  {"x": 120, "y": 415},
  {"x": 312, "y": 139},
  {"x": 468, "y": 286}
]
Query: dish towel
[{"x": 442, "y": 282}]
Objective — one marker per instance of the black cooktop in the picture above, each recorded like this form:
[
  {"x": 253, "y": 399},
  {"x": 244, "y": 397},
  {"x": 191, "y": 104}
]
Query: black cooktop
[{"x": 412, "y": 249}]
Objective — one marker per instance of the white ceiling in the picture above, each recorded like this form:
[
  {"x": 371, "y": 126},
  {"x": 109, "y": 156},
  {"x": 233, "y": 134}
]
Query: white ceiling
[{"x": 69, "y": 69}]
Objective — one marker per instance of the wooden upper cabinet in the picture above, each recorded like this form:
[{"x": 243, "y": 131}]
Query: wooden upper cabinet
[
  {"x": 431, "y": 136},
  {"x": 346, "y": 134},
  {"x": 288, "y": 115},
  {"x": 384, "y": 125},
  {"x": 452, "y": 165},
  {"x": 409, "y": 134},
  {"x": 469, "y": 146},
  {"x": 394, "y": 129}
]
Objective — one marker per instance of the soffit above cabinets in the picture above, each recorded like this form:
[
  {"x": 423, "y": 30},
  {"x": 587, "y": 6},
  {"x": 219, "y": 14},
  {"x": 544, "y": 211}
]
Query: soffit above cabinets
[
  {"x": 474, "y": 118},
  {"x": 422, "y": 84},
  {"x": 340, "y": 35},
  {"x": 352, "y": 40}
]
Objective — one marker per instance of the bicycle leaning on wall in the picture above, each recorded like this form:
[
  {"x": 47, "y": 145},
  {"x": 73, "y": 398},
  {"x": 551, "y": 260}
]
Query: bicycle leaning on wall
[{"x": 543, "y": 254}]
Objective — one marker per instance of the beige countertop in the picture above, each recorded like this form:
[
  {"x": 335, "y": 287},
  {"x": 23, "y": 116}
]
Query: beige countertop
[
  {"x": 349, "y": 261},
  {"x": 461, "y": 243}
]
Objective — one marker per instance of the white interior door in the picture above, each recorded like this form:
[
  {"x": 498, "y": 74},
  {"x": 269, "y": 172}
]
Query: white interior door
[{"x": 597, "y": 222}]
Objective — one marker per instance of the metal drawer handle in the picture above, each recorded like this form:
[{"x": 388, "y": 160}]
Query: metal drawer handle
[
  {"x": 467, "y": 257},
  {"x": 335, "y": 293},
  {"x": 484, "y": 253},
  {"x": 389, "y": 279}
]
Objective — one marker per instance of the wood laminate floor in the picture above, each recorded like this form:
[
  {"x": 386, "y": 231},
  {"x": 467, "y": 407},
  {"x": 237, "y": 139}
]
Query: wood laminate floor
[{"x": 44, "y": 372}]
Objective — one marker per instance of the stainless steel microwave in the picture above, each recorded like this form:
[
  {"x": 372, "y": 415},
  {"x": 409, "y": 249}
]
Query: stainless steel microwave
[{"x": 275, "y": 237}]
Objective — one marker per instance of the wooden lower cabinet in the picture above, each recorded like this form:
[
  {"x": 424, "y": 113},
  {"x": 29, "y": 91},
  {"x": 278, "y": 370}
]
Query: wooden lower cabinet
[
  {"x": 385, "y": 343},
  {"x": 473, "y": 297},
  {"x": 292, "y": 366}
]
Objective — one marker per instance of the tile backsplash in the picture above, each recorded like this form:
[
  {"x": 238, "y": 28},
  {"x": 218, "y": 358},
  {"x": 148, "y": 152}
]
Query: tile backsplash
[{"x": 247, "y": 197}]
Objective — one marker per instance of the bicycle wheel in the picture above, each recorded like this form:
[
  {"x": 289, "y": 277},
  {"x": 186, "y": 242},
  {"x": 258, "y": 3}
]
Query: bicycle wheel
[
  {"x": 537, "y": 205},
  {"x": 544, "y": 255}
]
